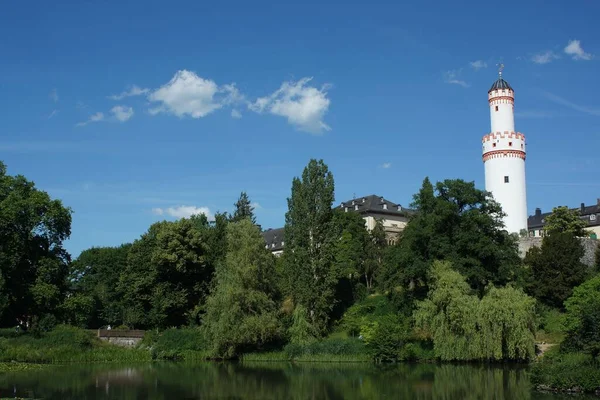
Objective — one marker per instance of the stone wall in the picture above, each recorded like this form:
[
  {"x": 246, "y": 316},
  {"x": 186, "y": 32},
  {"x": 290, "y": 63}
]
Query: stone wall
[
  {"x": 589, "y": 247},
  {"x": 125, "y": 338}
]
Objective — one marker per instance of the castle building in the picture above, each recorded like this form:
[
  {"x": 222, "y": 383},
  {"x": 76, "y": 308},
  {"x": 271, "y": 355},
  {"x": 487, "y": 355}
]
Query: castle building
[
  {"x": 590, "y": 214},
  {"x": 504, "y": 157},
  {"x": 393, "y": 216}
]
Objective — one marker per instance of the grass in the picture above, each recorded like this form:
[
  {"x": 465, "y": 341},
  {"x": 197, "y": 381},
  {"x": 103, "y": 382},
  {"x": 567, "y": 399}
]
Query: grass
[
  {"x": 15, "y": 366},
  {"x": 184, "y": 344}
]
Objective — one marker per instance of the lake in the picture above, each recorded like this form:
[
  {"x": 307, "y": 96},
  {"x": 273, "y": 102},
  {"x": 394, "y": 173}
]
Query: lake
[{"x": 272, "y": 381}]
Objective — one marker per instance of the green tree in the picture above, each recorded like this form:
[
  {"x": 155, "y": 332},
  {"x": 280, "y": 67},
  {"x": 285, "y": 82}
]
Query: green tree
[
  {"x": 564, "y": 220},
  {"x": 166, "y": 276},
  {"x": 597, "y": 264},
  {"x": 455, "y": 222},
  {"x": 241, "y": 312},
  {"x": 500, "y": 326},
  {"x": 33, "y": 262},
  {"x": 243, "y": 209},
  {"x": 309, "y": 256},
  {"x": 375, "y": 253},
  {"x": 555, "y": 268},
  {"x": 95, "y": 274},
  {"x": 583, "y": 318}
]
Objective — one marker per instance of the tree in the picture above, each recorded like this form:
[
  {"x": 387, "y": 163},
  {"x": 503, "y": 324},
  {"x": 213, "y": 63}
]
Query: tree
[
  {"x": 456, "y": 222},
  {"x": 597, "y": 255},
  {"x": 375, "y": 251},
  {"x": 241, "y": 312},
  {"x": 166, "y": 276},
  {"x": 555, "y": 268},
  {"x": 33, "y": 262},
  {"x": 309, "y": 256},
  {"x": 94, "y": 277},
  {"x": 564, "y": 220},
  {"x": 243, "y": 209},
  {"x": 583, "y": 318},
  {"x": 500, "y": 326}
]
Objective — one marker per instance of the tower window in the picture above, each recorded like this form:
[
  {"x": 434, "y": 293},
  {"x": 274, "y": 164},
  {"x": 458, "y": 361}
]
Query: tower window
[
  {"x": 510, "y": 144},
  {"x": 496, "y": 108},
  {"x": 506, "y": 179},
  {"x": 493, "y": 144}
]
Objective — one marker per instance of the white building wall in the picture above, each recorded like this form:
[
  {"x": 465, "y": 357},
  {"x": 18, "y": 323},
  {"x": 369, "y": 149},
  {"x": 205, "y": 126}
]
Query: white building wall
[{"x": 511, "y": 195}]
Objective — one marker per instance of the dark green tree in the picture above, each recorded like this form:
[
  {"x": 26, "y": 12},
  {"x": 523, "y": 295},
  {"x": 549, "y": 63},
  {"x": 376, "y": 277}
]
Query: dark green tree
[
  {"x": 597, "y": 264},
  {"x": 375, "y": 254},
  {"x": 94, "y": 277},
  {"x": 242, "y": 311},
  {"x": 563, "y": 220},
  {"x": 243, "y": 209},
  {"x": 456, "y": 222},
  {"x": 33, "y": 262},
  {"x": 555, "y": 268},
  {"x": 309, "y": 256},
  {"x": 583, "y": 318}
]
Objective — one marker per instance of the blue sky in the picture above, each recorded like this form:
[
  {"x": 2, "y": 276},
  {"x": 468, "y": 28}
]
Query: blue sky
[{"x": 132, "y": 112}]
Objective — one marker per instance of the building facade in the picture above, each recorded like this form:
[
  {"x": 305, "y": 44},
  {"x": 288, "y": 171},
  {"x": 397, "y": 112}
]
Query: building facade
[
  {"x": 504, "y": 157},
  {"x": 393, "y": 216},
  {"x": 590, "y": 214}
]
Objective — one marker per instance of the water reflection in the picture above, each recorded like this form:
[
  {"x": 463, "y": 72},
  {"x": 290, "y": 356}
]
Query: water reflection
[{"x": 272, "y": 381}]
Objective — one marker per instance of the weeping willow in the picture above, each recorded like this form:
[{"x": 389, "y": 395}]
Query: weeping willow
[{"x": 500, "y": 326}]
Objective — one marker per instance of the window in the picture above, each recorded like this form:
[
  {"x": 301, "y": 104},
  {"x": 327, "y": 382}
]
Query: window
[
  {"x": 356, "y": 207},
  {"x": 493, "y": 144},
  {"x": 510, "y": 144},
  {"x": 384, "y": 206},
  {"x": 592, "y": 217},
  {"x": 346, "y": 209},
  {"x": 496, "y": 108},
  {"x": 282, "y": 243},
  {"x": 506, "y": 179}
]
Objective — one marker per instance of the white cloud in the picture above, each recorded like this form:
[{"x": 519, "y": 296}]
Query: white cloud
[
  {"x": 584, "y": 109},
  {"x": 132, "y": 91},
  {"x": 122, "y": 113},
  {"x": 93, "y": 118},
  {"x": 53, "y": 95},
  {"x": 477, "y": 65},
  {"x": 256, "y": 205},
  {"x": 544, "y": 58},
  {"x": 386, "y": 165},
  {"x": 303, "y": 106},
  {"x": 183, "y": 211},
  {"x": 236, "y": 114},
  {"x": 187, "y": 94},
  {"x": 574, "y": 49},
  {"x": 52, "y": 114},
  {"x": 452, "y": 78}
]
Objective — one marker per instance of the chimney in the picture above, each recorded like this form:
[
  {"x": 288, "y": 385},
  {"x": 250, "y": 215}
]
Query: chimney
[
  {"x": 538, "y": 212},
  {"x": 582, "y": 207}
]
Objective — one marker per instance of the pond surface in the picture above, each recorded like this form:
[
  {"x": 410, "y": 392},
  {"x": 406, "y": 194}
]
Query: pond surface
[{"x": 272, "y": 381}]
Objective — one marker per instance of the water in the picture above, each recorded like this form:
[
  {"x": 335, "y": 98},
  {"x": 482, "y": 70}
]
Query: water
[{"x": 272, "y": 381}]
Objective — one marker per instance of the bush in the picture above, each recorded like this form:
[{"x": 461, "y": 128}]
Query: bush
[
  {"x": 566, "y": 371},
  {"x": 175, "y": 344},
  {"x": 365, "y": 312},
  {"x": 65, "y": 335}
]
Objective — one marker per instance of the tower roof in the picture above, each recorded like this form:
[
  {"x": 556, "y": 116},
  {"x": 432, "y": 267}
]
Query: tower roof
[{"x": 500, "y": 84}]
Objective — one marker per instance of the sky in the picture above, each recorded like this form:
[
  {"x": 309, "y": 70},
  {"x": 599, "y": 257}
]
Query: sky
[{"x": 132, "y": 112}]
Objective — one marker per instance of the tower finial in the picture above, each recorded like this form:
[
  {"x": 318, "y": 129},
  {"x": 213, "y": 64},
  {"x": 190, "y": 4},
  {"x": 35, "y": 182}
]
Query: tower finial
[{"x": 500, "y": 68}]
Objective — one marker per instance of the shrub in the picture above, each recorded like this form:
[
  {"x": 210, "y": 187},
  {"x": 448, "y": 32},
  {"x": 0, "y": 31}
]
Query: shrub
[
  {"x": 566, "y": 371},
  {"x": 175, "y": 344},
  {"x": 385, "y": 337}
]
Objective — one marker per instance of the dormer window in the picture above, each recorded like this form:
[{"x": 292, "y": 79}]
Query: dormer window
[
  {"x": 384, "y": 206},
  {"x": 399, "y": 208},
  {"x": 282, "y": 243},
  {"x": 352, "y": 202},
  {"x": 273, "y": 245},
  {"x": 592, "y": 217},
  {"x": 345, "y": 209},
  {"x": 356, "y": 207},
  {"x": 364, "y": 199}
]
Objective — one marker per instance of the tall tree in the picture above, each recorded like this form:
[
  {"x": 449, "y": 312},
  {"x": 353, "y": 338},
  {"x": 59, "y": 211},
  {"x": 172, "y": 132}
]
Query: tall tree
[
  {"x": 242, "y": 312},
  {"x": 555, "y": 268},
  {"x": 375, "y": 253},
  {"x": 456, "y": 222},
  {"x": 33, "y": 262},
  {"x": 243, "y": 209},
  {"x": 562, "y": 220},
  {"x": 309, "y": 256}
]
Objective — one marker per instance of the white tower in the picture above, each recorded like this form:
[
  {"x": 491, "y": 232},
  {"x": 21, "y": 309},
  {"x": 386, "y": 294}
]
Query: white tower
[{"x": 504, "y": 157}]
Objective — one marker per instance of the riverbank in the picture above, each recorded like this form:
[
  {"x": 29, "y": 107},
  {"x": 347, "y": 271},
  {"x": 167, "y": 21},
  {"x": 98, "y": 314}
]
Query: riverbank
[{"x": 566, "y": 372}]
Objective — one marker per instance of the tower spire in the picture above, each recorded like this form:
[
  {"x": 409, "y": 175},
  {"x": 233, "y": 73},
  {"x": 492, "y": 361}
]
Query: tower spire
[{"x": 500, "y": 69}]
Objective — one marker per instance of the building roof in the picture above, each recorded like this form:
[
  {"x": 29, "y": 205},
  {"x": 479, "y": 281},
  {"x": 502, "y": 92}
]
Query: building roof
[
  {"x": 374, "y": 204},
  {"x": 538, "y": 220},
  {"x": 500, "y": 84},
  {"x": 274, "y": 238}
]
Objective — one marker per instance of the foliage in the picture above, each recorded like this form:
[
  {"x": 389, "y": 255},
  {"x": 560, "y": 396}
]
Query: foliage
[
  {"x": 365, "y": 312},
  {"x": 500, "y": 326},
  {"x": 555, "y": 268},
  {"x": 386, "y": 336},
  {"x": 597, "y": 256},
  {"x": 241, "y": 312},
  {"x": 301, "y": 331},
  {"x": 166, "y": 276},
  {"x": 566, "y": 372},
  {"x": 564, "y": 220},
  {"x": 330, "y": 347},
  {"x": 243, "y": 209},
  {"x": 309, "y": 270},
  {"x": 583, "y": 318},
  {"x": 454, "y": 222},
  {"x": 33, "y": 262},
  {"x": 551, "y": 327},
  {"x": 175, "y": 344}
]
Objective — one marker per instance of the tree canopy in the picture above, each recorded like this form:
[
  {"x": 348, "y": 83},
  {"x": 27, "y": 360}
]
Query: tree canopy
[
  {"x": 243, "y": 209},
  {"x": 454, "y": 221},
  {"x": 564, "y": 220},
  {"x": 33, "y": 261},
  {"x": 583, "y": 318}
]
